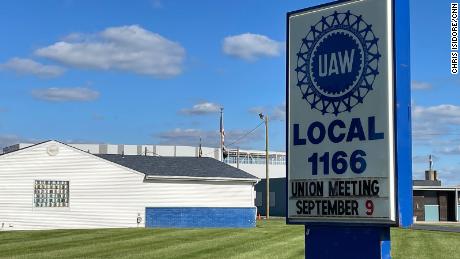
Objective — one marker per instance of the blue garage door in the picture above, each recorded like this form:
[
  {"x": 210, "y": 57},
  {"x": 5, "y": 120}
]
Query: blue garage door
[
  {"x": 200, "y": 217},
  {"x": 432, "y": 213}
]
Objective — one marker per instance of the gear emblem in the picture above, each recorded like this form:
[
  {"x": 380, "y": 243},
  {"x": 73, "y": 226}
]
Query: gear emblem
[{"x": 337, "y": 63}]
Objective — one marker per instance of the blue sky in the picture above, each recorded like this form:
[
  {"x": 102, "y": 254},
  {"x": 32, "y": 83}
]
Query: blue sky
[{"x": 75, "y": 71}]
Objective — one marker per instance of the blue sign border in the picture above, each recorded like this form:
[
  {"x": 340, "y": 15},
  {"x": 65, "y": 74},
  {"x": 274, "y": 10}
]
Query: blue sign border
[{"x": 402, "y": 115}]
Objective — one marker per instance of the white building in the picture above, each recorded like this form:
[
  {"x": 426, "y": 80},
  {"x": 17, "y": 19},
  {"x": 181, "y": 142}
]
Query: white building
[
  {"x": 251, "y": 161},
  {"x": 52, "y": 185}
]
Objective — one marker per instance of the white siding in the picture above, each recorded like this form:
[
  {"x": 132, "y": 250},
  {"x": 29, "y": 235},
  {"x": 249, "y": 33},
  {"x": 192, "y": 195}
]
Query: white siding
[{"x": 102, "y": 194}]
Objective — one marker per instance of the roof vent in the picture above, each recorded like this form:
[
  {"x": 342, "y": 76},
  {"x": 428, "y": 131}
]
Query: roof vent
[{"x": 52, "y": 149}]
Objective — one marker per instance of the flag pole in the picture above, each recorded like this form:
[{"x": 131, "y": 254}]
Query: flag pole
[
  {"x": 221, "y": 134},
  {"x": 200, "y": 150}
]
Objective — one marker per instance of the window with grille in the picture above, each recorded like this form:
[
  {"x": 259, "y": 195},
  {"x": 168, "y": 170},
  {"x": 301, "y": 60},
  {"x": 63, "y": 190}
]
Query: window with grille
[{"x": 48, "y": 193}]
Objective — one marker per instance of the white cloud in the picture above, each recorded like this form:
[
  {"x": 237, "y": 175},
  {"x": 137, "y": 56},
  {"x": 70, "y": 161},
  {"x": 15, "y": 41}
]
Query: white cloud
[
  {"x": 437, "y": 127},
  {"x": 449, "y": 175},
  {"x": 210, "y": 138},
  {"x": 436, "y": 130},
  {"x": 452, "y": 150},
  {"x": 11, "y": 139},
  {"x": 240, "y": 138},
  {"x": 189, "y": 137},
  {"x": 27, "y": 66},
  {"x": 55, "y": 94},
  {"x": 202, "y": 108},
  {"x": 277, "y": 113},
  {"x": 417, "y": 85},
  {"x": 423, "y": 159},
  {"x": 257, "y": 109},
  {"x": 434, "y": 121},
  {"x": 446, "y": 114},
  {"x": 127, "y": 48},
  {"x": 250, "y": 46}
]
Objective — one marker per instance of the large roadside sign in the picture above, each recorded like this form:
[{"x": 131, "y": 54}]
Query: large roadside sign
[{"x": 340, "y": 123}]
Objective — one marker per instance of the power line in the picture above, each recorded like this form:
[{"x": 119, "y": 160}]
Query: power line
[
  {"x": 240, "y": 138},
  {"x": 245, "y": 135}
]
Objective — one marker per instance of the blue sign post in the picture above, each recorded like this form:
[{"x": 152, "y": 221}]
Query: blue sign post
[{"x": 349, "y": 173}]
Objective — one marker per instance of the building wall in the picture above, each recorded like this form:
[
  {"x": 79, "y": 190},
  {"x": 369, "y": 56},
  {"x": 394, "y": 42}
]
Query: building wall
[
  {"x": 441, "y": 201},
  {"x": 443, "y": 211},
  {"x": 419, "y": 206},
  {"x": 451, "y": 210},
  {"x": 200, "y": 217},
  {"x": 185, "y": 151},
  {"x": 91, "y": 148},
  {"x": 102, "y": 194},
  {"x": 165, "y": 150},
  {"x": 430, "y": 197},
  {"x": 258, "y": 170},
  {"x": 458, "y": 212},
  {"x": 277, "y": 197},
  {"x": 128, "y": 150}
]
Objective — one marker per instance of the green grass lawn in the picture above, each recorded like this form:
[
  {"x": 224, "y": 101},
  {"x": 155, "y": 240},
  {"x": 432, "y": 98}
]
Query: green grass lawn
[{"x": 268, "y": 240}]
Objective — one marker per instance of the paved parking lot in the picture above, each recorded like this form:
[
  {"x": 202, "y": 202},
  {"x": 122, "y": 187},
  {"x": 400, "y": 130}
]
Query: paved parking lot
[{"x": 447, "y": 227}]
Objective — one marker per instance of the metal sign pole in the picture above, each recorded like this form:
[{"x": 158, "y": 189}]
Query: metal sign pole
[
  {"x": 403, "y": 112},
  {"x": 347, "y": 242}
]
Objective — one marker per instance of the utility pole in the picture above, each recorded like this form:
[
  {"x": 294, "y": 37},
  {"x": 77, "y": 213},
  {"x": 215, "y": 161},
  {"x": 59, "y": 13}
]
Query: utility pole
[
  {"x": 267, "y": 176},
  {"x": 266, "y": 167}
]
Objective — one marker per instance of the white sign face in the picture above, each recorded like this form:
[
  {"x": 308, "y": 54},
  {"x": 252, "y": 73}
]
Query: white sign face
[{"x": 340, "y": 114}]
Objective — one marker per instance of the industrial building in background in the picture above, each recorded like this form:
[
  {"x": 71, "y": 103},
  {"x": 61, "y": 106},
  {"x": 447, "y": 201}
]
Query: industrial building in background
[
  {"x": 52, "y": 185},
  {"x": 434, "y": 202},
  {"x": 251, "y": 161}
]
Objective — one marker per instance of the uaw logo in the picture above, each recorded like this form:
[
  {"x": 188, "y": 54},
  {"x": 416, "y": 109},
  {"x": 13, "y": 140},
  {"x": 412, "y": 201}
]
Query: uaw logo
[{"x": 337, "y": 63}]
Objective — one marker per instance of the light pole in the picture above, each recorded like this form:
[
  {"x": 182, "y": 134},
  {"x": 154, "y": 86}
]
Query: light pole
[{"x": 267, "y": 177}]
